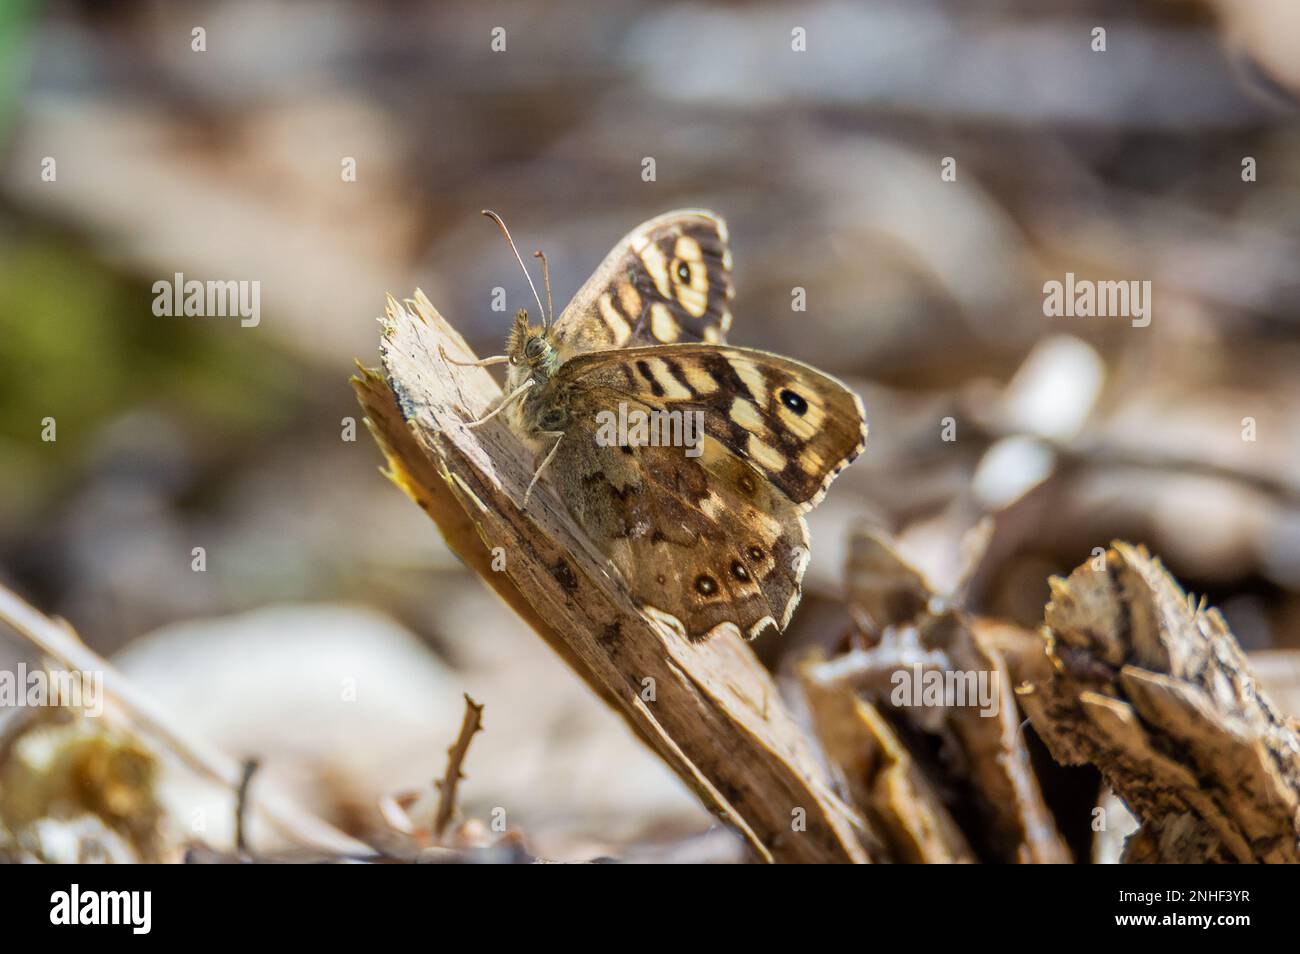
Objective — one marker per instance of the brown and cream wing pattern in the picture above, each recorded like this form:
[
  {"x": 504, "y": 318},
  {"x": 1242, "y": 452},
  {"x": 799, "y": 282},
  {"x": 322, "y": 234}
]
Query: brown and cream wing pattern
[
  {"x": 714, "y": 536},
  {"x": 798, "y": 426},
  {"x": 666, "y": 281}
]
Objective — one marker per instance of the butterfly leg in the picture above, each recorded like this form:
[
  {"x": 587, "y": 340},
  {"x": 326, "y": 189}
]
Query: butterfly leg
[
  {"x": 559, "y": 436},
  {"x": 502, "y": 406},
  {"x": 485, "y": 362}
]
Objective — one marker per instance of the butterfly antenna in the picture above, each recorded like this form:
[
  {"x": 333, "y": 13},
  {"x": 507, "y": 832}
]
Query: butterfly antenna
[
  {"x": 505, "y": 231},
  {"x": 546, "y": 280}
]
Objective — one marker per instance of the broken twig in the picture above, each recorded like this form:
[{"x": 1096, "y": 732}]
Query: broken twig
[
  {"x": 471, "y": 723},
  {"x": 249, "y": 769}
]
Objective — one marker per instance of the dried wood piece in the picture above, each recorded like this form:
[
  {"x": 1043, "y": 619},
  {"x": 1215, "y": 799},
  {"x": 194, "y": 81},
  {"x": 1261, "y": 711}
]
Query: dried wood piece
[
  {"x": 923, "y": 631},
  {"x": 881, "y": 775},
  {"x": 1154, "y": 690},
  {"x": 1279, "y": 671},
  {"x": 997, "y": 761},
  {"x": 1022, "y": 649},
  {"x": 883, "y": 589},
  {"x": 710, "y": 710}
]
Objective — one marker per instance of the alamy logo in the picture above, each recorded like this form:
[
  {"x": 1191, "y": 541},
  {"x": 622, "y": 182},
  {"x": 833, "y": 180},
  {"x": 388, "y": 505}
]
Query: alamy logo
[
  {"x": 635, "y": 427},
  {"x": 946, "y": 688},
  {"x": 103, "y": 907},
  {"x": 79, "y": 689},
  {"x": 1084, "y": 298},
  {"x": 211, "y": 299}
]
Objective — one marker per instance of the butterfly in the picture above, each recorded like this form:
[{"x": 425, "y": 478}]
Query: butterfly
[{"x": 706, "y": 529}]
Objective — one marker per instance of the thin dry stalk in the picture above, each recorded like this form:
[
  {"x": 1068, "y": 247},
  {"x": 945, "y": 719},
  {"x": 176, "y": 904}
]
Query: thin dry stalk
[{"x": 471, "y": 723}]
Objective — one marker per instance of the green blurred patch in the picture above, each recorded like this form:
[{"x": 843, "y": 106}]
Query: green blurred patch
[
  {"x": 80, "y": 344},
  {"x": 16, "y": 22}
]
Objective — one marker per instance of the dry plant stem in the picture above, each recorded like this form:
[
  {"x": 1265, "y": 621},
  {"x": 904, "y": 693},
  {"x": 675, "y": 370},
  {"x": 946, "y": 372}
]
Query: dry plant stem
[
  {"x": 1156, "y": 693},
  {"x": 57, "y": 640},
  {"x": 248, "y": 770},
  {"x": 710, "y": 710},
  {"x": 471, "y": 723}
]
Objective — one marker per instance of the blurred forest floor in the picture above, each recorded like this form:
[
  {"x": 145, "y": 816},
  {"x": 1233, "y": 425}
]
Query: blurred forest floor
[{"x": 926, "y": 296}]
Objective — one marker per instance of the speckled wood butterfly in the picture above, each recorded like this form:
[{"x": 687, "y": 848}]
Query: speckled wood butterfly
[{"x": 706, "y": 537}]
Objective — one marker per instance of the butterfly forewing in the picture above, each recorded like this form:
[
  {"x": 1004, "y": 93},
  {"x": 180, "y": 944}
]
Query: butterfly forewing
[
  {"x": 667, "y": 281},
  {"x": 797, "y": 426}
]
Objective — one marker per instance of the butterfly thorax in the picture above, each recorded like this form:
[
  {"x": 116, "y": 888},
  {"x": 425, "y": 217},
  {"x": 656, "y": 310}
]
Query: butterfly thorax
[{"x": 533, "y": 355}]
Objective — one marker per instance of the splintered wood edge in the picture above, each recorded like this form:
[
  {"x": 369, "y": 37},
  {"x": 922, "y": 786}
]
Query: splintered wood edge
[
  {"x": 996, "y": 756},
  {"x": 1154, "y": 690},
  {"x": 881, "y": 775},
  {"x": 710, "y": 711},
  {"x": 999, "y": 758}
]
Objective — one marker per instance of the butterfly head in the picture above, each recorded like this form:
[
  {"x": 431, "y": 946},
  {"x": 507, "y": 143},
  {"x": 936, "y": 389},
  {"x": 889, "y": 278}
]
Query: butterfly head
[{"x": 530, "y": 348}]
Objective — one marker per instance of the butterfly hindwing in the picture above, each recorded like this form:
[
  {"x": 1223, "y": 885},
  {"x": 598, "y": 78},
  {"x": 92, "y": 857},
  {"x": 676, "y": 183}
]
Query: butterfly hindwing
[
  {"x": 666, "y": 281},
  {"x": 696, "y": 551}
]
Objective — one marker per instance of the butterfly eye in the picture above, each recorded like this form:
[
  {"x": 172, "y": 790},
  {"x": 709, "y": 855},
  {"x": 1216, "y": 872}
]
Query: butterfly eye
[
  {"x": 794, "y": 402},
  {"x": 534, "y": 347}
]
